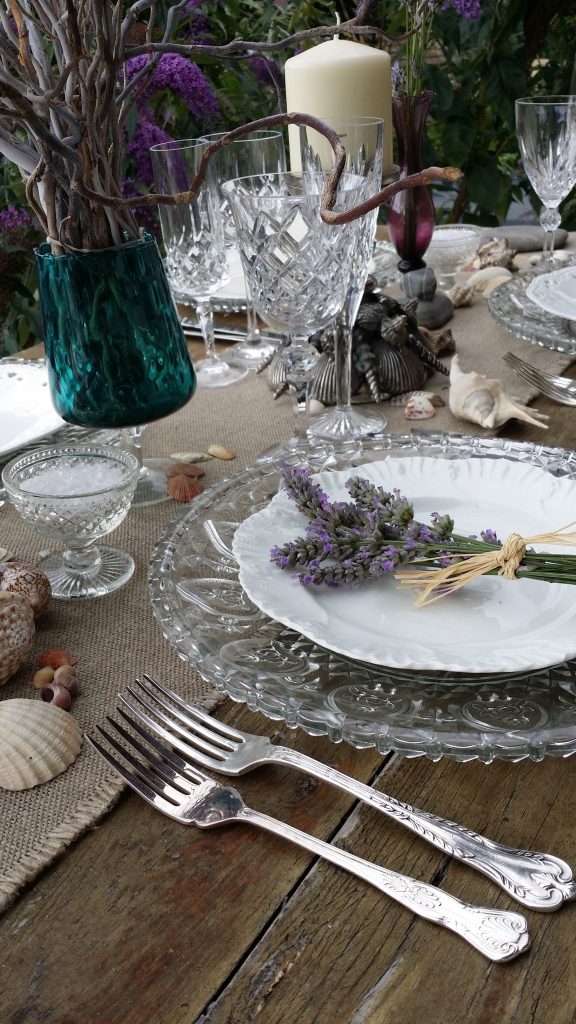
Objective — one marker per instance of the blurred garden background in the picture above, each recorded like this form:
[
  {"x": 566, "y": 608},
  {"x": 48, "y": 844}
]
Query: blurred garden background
[{"x": 483, "y": 54}]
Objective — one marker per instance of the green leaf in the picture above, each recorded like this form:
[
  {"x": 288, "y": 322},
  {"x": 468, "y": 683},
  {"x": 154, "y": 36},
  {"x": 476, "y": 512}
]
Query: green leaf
[
  {"x": 458, "y": 138},
  {"x": 504, "y": 82},
  {"x": 485, "y": 184}
]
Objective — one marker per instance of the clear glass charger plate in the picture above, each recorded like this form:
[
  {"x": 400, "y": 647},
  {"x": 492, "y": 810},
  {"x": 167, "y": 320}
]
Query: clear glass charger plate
[
  {"x": 207, "y": 617},
  {"x": 555, "y": 292},
  {"x": 510, "y": 306}
]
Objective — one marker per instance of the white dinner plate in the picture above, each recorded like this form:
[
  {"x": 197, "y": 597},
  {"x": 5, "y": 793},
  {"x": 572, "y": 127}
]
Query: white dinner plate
[
  {"x": 555, "y": 292},
  {"x": 26, "y": 410},
  {"x": 492, "y": 625}
]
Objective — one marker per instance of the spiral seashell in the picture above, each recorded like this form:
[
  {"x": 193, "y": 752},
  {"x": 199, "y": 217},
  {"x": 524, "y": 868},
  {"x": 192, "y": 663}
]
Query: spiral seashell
[
  {"x": 477, "y": 398},
  {"x": 16, "y": 632},
  {"x": 37, "y": 742},
  {"x": 29, "y": 581},
  {"x": 460, "y": 295}
]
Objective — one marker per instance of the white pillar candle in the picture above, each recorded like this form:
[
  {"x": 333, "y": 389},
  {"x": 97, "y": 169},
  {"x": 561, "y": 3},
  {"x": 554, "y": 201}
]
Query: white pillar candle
[{"x": 340, "y": 79}]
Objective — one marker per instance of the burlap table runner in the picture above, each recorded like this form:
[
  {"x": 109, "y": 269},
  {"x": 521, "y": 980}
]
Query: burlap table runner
[{"x": 116, "y": 638}]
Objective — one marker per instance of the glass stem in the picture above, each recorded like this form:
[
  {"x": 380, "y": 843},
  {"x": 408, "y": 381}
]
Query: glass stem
[
  {"x": 82, "y": 559},
  {"x": 301, "y": 402},
  {"x": 343, "y": 365},
  {"x": 550, "y": 220},
  {"x": 252, "y": 326},
  {"x": 206, "y": 320},
  {"x": 133, "y": 438}
]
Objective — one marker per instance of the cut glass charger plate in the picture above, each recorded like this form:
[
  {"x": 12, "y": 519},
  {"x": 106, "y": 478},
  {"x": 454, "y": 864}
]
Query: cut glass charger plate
[
  {"x": 511, "y": 306},
  {"x": 555, "y": 292},
  {"x": 26, "y": 410},
  {"x": 206, "y": 614}
]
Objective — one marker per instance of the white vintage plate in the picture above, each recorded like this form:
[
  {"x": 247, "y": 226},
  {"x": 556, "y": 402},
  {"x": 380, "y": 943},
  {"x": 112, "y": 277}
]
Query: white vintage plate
[
  {"x": 490, "y": 626},
  {"x": 555, "y": 292},
  {"x": 26, "y": 410}
]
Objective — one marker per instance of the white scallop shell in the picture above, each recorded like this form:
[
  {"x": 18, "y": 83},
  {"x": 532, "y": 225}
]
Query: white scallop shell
[
  {"x": 37, "y": 742},
  {"x": 481, "y": 277}
]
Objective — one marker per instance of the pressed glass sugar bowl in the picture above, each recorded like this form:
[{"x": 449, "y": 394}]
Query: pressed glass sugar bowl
[
  {"x": 76, "y": 494},
  {"x": 450, "y": 248}
]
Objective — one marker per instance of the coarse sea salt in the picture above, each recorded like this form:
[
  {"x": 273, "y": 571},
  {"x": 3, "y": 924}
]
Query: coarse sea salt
[
  {"x": 448, "y": 235},
  {"x": 68, "y": 478}
]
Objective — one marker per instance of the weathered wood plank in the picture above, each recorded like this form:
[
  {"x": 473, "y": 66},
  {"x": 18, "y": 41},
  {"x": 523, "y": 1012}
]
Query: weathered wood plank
[
  {"x": 355, "y": 958},
  {"x": 143, "y": 920}
]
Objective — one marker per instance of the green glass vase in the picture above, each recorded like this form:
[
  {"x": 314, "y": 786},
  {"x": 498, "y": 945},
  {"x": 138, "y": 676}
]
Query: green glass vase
[{"x": 114, "y": 346}]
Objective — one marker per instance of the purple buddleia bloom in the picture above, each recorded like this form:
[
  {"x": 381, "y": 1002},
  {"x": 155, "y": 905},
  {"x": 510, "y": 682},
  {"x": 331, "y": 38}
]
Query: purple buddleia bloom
[
  {"x": 181, "y": 76},
  {"x": 145, "y": 135},
  {"x": 471, "y": 10},
  {"x": 195, "y": 22},
  {"x": 266, "y": 70},
  {"x": 145, "y": 216},
  {"x": 14, "y": 221}
]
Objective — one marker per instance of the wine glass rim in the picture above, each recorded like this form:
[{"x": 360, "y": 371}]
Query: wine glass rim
[
  {"x": 567, "y": 100},
  {"x": 176, "y": 144},
  {"x": 258, "y": 135},
  {"x": 119, "y": 456}
]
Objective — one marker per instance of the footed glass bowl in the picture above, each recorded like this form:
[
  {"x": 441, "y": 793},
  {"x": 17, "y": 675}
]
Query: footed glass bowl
[
  {"x": 76, "y": 494},
  {"x": 451, "y": 247}
]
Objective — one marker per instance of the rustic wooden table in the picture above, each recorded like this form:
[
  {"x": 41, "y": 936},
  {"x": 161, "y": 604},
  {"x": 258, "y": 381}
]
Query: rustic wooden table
[{"x": 145, "y": 922}]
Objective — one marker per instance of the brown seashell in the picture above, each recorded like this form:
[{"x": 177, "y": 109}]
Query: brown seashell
[
  {"x": 29, "y": 581},
  {"x": 495, "y": 253},
  {"x": 221, "y": 453},
  {"x": 37, "y": 742},
  {"x": 184, "y": 469},
  {"x": 43, "y": 677},
  {"x": 460, "y": 295},
  {"x": 438, "y": 341},
  {"x": 55, "y": 658},
  {"x": 183, "y": 487},
  {"x": 52, "y": 693},
  {"x": 16, "y": 632}
]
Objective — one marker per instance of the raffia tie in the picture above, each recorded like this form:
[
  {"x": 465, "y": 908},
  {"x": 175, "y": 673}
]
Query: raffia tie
[{"x": 436, "y": 583}]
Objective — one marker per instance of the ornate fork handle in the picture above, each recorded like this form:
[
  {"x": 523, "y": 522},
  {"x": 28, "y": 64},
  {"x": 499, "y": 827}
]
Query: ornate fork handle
[
  {"x": 498, "y": 934},
  {"x": 537, "y": 880}
]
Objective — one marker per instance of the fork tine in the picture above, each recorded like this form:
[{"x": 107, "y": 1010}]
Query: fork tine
[
  {"x": 213, "y": 724},
  {"x": 160, "y": 787},
  {"x": 178, "y": 762},
  {"x": 135, "y": 783},
  {"x": 167, "y": 775},
  {"x": 174, "y": 727}
]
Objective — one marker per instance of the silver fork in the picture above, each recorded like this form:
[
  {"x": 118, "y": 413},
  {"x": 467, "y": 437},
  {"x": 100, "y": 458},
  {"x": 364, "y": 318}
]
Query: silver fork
[
  {"x": 185, "y": 794},
  {"x": 537, "y": 880},
  {"x": 560, "y": 389}
]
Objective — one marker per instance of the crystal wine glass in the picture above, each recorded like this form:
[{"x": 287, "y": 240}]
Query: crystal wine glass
[
  {"x": 363, "y": 140},
  {"x": 298, "y": 268},
  {"x": 76, "y": 494},
  {"x": 260, "y": 152},
  {"x": 546, "y": 132},
  {"x": 193, "y": 238}
]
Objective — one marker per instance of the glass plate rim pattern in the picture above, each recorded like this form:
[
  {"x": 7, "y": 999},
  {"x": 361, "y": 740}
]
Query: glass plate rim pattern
[
  {"x": 527, "y": 320},
  {"x": 498, "y": 716},
  {"x": 558, "y": 275}
]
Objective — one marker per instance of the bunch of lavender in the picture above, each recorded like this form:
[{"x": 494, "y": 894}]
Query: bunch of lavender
[
  {"x": 349, "y": 541},
  {"x": 375, "y": 533}
]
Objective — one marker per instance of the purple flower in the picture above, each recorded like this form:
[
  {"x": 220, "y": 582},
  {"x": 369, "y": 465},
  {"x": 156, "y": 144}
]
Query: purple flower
[
  {"x": 266, "y": 70},
  {"x": 197, "y": 25},
  {"x": 471, "y": 10},
  {"x": 489, "y": 536},
  {"x": 14, "y": 220},
  {"x": 181, "y": 76},
  {"x": 145, "y": 136}
]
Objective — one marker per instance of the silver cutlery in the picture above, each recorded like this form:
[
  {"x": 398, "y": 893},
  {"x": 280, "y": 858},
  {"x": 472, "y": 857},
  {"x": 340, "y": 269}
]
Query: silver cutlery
[
  {"x": 560, "y": 389},
  {"x": 537, "y": 880},
  {"x": 187, "y": 795}
]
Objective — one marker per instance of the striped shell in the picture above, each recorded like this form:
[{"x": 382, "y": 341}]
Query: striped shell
[
  {"x": 16, "y": 632},
  {"x": 37, "y": 742},
  {"x": 29, "y": 581}
]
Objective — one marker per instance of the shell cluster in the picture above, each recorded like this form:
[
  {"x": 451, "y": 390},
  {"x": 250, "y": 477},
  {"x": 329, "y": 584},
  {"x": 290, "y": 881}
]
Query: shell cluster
[{"x": 37, "y": 742}]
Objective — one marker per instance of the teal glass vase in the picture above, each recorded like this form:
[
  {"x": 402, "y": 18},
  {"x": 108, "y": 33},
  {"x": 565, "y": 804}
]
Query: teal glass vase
[{"x": 114, "y": 346}]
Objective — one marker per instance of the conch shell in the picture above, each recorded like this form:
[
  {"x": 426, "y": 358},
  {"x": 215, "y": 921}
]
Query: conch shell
[
  {"x": 479, "y": 399},
  {"x": 16, "y": 632},
  {"x": 37, "y": 742}
]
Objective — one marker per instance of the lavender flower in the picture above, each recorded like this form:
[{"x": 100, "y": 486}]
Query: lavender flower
[
  {"x": 471, "y": 10},
  {"x": 145, "y": 135},
  {"x": 181, "y": 76},
  {"x": 14, "y": 221}
]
